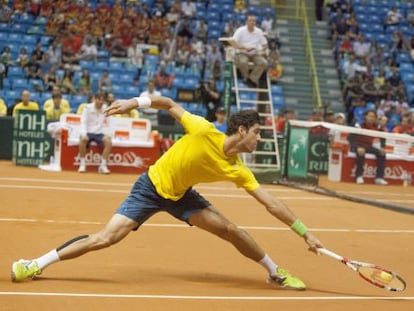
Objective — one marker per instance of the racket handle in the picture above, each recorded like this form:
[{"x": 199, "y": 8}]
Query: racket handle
[{"x": 329, "y": 253}]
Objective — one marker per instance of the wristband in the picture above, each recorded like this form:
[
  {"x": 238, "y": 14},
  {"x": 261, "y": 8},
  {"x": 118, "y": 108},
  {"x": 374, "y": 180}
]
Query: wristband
[
  {"x": 299, "y": 227},
  {"x": 143, "y": 101}
]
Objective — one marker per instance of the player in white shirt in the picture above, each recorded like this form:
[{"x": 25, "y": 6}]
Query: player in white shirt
[{"x": 92, "y": 125}]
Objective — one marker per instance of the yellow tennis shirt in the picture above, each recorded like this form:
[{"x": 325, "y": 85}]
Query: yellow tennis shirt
[{"x": 198, "y": 157}]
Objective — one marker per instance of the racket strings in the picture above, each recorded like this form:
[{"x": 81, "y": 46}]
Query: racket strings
[{"x": 382, "y": 278}]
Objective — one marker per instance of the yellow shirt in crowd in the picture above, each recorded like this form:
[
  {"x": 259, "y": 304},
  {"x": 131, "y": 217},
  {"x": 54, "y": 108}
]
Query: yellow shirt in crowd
[
  {"x": 3, "y": 108},
  {"x": 198, "y": 157},
  {"x": 63, "y": 103},
  {"x": 22, "y": 106}
]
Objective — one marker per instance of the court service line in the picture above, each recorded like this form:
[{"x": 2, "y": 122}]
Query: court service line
[
  {"x": 195, "y": 297},
  {"x": 263, "y": 228},
  {"x": 237, "y": 196}
]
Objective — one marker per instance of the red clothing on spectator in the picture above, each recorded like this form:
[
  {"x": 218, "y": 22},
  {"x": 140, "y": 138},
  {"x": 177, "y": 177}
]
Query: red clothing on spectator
[
  {"x": 363, "y": 140},
  {"x": 401, "y": 129}
]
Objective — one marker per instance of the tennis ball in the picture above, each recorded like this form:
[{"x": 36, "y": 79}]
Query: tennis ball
[{"x": 385, "y": 275}]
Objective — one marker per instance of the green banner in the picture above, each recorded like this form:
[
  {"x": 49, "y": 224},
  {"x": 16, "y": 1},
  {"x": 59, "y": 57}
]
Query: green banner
[
  {"x": 31, "y": 144},
  {"x": 318, "y": 159},
  {"x": 227, "y": 74},
  {"x": 297, "y": 161}
]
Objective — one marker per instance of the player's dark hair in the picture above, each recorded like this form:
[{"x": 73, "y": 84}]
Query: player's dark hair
[{"x": 246, "y": 118}]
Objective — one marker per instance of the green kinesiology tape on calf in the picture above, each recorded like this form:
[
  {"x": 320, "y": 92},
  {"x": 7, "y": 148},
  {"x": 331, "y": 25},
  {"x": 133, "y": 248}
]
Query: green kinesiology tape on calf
[
  {"x": 299, "y": 227},
  {"x": 71, "y": 241}
]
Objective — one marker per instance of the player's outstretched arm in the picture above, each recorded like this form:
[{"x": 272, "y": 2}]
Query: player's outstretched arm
[
  {"x": 278, "y": 209},
  {"x": 121, "y": 106}
]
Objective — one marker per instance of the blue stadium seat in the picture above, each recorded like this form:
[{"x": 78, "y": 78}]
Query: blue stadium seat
[
  {"x": 29, "y": 39},
  {"x": 116, "y": 66},
  {"x": 3, "y": 37},
  {"x": 15, "y": 37},
  {"x": 213, "y": 15},
  {"x": 15, "y": 72},
  {"x": 20, "y": 84}
]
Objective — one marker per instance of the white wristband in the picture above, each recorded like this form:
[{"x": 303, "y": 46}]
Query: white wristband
[{"x": 143, "y": 101}]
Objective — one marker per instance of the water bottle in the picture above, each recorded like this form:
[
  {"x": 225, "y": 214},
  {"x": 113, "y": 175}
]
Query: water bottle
[{"x": 406, "y": 179}]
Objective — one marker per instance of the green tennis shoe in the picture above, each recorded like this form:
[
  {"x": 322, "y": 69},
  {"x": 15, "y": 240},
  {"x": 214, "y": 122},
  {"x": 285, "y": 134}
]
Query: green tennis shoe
[
  {"x": 285, "y": 280},
  {"x": 24, "y": 269}
]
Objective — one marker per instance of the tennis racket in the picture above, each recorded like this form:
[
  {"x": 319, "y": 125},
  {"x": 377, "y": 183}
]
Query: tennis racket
[{"x": 374, "y": 274}]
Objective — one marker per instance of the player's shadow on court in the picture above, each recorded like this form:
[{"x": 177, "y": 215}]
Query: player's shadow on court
[
  {"x": 339, "y": 293},
  {"x": 221, "y": 280}
]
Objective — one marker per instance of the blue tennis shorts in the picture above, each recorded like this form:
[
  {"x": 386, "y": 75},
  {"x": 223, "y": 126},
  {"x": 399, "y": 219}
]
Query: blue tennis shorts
[
  {"x": 144, "y": 201},
  {"x": 97, "y": 138}
]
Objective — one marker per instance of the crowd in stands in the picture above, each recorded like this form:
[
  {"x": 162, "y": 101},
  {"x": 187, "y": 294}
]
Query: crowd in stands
[
  {"x": 116, "y": 47},
  {"x": 375, "y": 55}
]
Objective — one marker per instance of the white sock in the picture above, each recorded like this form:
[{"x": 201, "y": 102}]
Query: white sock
[
  {"x": 47, "y": 259},
  {"x": 103, "y": 162},
  {"x": 82, "y": 161},
  {"x": 269, "y": 265}
]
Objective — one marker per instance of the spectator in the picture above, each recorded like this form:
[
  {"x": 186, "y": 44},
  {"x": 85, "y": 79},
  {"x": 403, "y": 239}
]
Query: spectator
[
  {"x": 406, "y": 125},
  {"x": 240, "y": 6},
  {"x": 214, "y": 58},
  {"x": 267, "y": 23},
  {"x": 55, "y": 53},
  {"x": 173, "y": 16},
  {"x": 63, "y": 102},
  {"x": 394, "y": 17},
  {"x": 117, "y": 49},
  {"x": 6, "y": 59},
  {"x": 3, "y": 108},
  {"x": 361, "y": 49},
  {"x": 339, "y": 118},
  {"x": 45, "y": 65},
  {"x": 54, "y": 111},
  {"x": 105, "y": 83},
  {"x": 211, "y": 99},
  {"x": 181, "y": 56},
  {"x": 220, "y": 122},
  {"x": 71, "y": 46},
  {"x": 2, "y": 74},
  {"x": 82, "y": 106},
  {"x": 25, "y": 103},
  {"x": 85, "y": 83},
  {"x": 37, "y": 52},
  {"x": 23, "y": 58},
  {"x": 89, "y": 51},
  {"x": 184, "y": 30},
  {"x": 162, "y": 78},
  {"x": 410, "y": 17},
  {"x": 68, "y": 87},
  {"x": 252, "y": 46},
  {"x": 135, "y": 54},
  {"x": 5, "y": 13},
  {"x": 32, "y": 69},
  {"x": 51, "y": 79},
  {"x": 288, "y": 114},
  {"x": 201, "y": 31},
  {"x": 364, "y": 144},
  {"x": 188, "y": 9},
  {"x": 92, "y": 123},
  {"x": 150, "y": 113},
  {"x": 275, "y": 70}
]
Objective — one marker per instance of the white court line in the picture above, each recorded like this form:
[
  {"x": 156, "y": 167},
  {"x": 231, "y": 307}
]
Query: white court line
[
  {"x": 263, "y": 228},
  {"x": 190, "y": 297},
  {"x": 76, "y": 182},
  {"x": 237, "y": 196}
]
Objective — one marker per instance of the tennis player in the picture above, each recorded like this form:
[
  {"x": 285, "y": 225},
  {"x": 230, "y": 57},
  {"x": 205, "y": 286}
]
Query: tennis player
[{"x": 202, "y": 155}]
